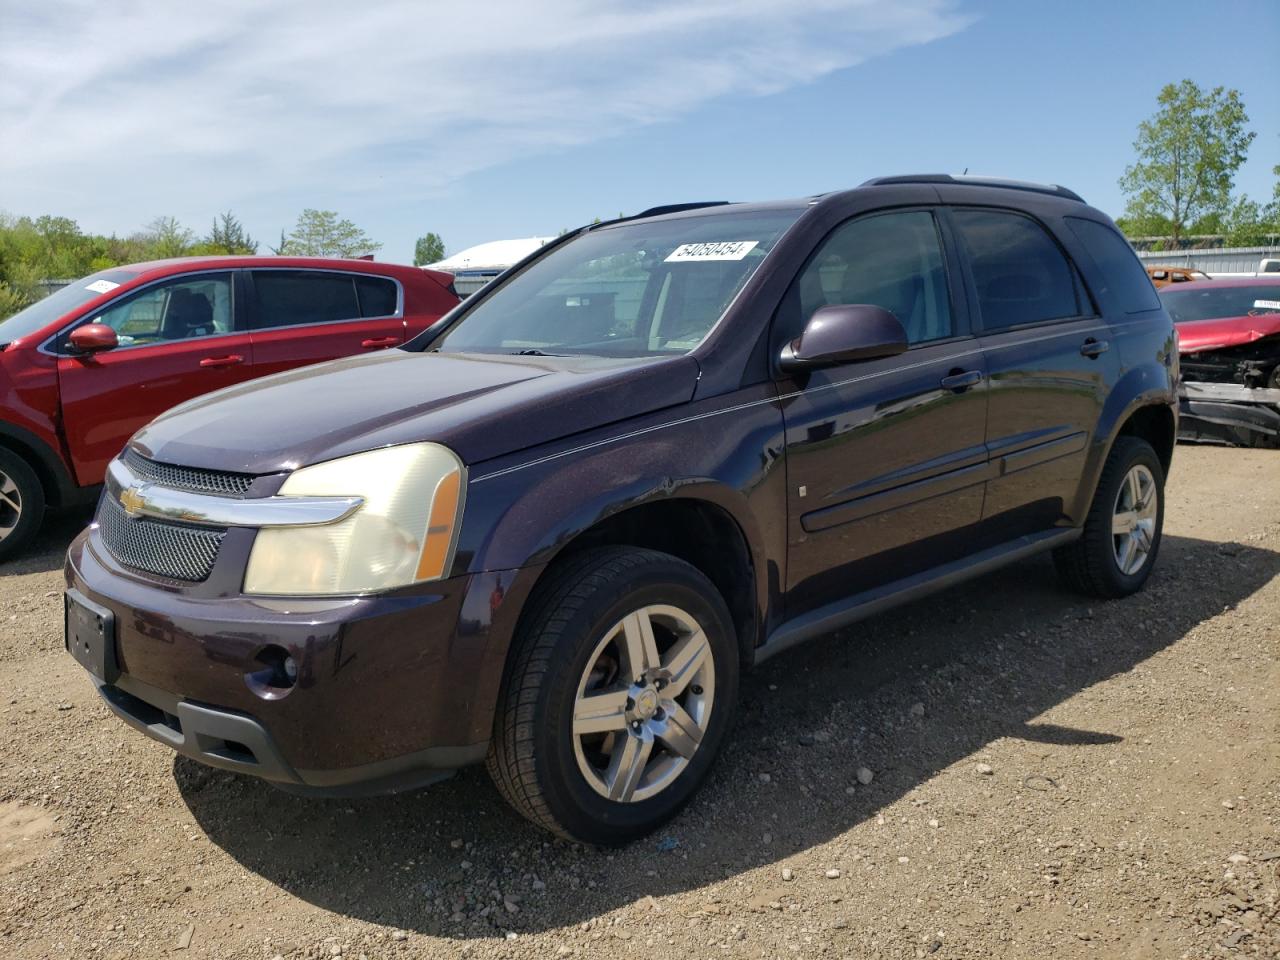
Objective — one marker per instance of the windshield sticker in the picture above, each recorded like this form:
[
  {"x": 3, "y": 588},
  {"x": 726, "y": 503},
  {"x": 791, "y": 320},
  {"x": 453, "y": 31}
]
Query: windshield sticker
[
  {"x": 101, "y": 286},
  {"x": 721, "y": 250},
  {"x": 1266, "y": 304}
]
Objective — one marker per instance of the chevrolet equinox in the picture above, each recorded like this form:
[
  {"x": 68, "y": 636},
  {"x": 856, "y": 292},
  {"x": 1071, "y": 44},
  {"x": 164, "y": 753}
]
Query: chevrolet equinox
[{"x": 551, "y": 531}]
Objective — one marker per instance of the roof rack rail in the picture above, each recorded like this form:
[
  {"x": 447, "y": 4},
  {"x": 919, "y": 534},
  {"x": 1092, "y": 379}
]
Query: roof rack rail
[
  {"x": 676, "y": 208},
  {"x": 1052, "y": 189}
]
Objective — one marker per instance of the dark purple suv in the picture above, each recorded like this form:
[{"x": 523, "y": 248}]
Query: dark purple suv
[{"x": 551, "y": 531}]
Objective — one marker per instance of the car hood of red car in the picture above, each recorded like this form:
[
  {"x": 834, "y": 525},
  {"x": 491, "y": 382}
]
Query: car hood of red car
[
  {"x": 1197, "y": 335},
  {"x": 479, "y": 405}
]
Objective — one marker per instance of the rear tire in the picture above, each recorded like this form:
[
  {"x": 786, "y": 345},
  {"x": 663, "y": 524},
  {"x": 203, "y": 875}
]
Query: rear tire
[
  {"x": 1115, "y": 554},
  {"x": 21, "y": 504},
  {"x": 619, "y": 691}
]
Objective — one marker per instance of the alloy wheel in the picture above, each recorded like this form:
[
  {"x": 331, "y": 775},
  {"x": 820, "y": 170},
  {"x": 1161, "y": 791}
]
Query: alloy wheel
[
  {"x": 643, "y": 703},
  {"x": 1133, "y": 521},
  {"x": 10, "y": 506}
]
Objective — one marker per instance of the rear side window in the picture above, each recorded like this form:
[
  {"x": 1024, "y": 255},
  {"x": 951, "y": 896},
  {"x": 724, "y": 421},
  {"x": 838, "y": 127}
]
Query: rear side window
[
  {"x": 285, "y": 298},
  {"x": 1021, "y": 274},
  {"x": 377, "y": 296},
  {"x": 1123, "y": 277}
]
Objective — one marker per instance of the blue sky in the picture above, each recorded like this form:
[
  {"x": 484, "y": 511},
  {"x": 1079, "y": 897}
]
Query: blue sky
[{"x": 512, "y": 119}]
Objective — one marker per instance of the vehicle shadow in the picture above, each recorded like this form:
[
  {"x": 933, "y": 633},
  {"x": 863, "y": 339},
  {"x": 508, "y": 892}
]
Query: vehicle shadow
[
  {"x": 984, "y": 660},
  {"x": 49, "y": 548}
]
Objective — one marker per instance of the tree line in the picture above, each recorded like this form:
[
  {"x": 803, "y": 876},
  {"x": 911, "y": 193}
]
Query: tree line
[{"x": 35, "y": 251}]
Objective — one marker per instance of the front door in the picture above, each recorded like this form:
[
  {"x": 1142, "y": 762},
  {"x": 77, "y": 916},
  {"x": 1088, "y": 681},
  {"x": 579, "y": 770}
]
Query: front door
[
  {"x": 179, "y": 338},
  {"x": 299, "y": 317},
  {"x": 886, "y": 459}
]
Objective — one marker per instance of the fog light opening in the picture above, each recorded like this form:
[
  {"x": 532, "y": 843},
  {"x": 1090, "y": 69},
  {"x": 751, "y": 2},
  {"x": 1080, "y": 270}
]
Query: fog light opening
[{"x": 275, "y": 673}]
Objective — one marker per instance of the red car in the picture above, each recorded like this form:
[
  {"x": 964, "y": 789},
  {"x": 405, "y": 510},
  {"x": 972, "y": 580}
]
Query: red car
[
  {"x": 1229, "y": 345},
  {"x": 84, "y": 368}
]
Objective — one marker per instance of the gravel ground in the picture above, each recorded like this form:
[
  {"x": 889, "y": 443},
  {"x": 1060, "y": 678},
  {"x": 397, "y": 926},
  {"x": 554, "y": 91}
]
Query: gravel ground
[{"x": 1002, "y": 770}]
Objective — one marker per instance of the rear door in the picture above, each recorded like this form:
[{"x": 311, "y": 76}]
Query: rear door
[
  {"x": 179, "y": 338},
  {"x": 886, "y": 459},
  {"x": 1051, "y": 363},
  {"x": 298, "y": 317}
]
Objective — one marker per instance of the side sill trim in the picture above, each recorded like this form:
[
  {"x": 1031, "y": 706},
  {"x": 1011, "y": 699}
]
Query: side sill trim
[{"x": 833, "y": 616}]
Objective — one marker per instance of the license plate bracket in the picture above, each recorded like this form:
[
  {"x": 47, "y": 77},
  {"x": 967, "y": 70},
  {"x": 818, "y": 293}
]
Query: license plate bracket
[{"x": 90, "y": 632}]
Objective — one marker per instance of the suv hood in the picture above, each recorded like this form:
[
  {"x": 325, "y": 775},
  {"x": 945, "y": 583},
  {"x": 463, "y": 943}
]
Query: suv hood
[{"x": 479, "y": 405}]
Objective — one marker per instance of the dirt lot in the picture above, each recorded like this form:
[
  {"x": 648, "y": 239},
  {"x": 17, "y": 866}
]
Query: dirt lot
[{"x": 1050, "y": 779}]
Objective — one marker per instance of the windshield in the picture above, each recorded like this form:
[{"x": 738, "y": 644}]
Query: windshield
[
  {"x": 1213, "y": 303},
  {"x": 634, "y": 290},
  {"x": 43, "y": 312}
]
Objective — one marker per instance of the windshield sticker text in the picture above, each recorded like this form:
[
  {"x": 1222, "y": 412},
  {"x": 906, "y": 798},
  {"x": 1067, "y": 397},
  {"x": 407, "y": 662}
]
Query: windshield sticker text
[
  {"x": 720, "y": 250},
  {"x": 101, "y": 286},
  {"x": 1266, "y": 304}
]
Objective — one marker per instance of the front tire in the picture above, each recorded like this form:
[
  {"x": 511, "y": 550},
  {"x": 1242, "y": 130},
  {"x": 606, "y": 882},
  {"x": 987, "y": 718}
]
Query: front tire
[
  {"x": 1114, "y": 556},
  {"x": 619, "y": 692},
  {"x": 21, "y": 504}
]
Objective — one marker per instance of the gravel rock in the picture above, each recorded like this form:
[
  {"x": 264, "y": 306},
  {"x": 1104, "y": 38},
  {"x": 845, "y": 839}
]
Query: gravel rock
[{"x": 865, "y": 776}]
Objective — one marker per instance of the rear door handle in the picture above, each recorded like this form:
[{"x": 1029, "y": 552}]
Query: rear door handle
[
  {"x": 961, "y": 380},
  {"x": 374, "y": 342},
  {"x": 1094, "y": 348},
  {"x": 228, "y": 361}
]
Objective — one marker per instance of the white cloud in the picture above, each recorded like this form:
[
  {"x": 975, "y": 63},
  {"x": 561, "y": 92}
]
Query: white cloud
[{"x": 106, "y": 104}]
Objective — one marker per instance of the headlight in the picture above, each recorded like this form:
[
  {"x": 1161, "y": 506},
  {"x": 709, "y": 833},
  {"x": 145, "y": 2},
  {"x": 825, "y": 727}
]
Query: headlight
[{"x": 403, "y": 532}]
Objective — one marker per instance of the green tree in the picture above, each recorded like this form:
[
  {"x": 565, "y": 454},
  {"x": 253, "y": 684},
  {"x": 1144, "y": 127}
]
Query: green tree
[
  {"x": 227, "y": 235},
  {"x": 1188, "y": 155},
  {"x": 428, "y": 249},
  {"x": 165, "y": 237},
  {"x": 319, "y": 233}
]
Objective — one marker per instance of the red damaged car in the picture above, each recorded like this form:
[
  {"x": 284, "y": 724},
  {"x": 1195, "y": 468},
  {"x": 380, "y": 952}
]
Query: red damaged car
[
  {"x": 84, "y": 368},
  {"x": 1229, "y": 343}
]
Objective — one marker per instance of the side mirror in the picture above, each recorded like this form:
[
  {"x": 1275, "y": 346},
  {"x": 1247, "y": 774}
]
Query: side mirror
[
  {"x": 93, "y": 338},
  {"x": 842, "y": 333}
]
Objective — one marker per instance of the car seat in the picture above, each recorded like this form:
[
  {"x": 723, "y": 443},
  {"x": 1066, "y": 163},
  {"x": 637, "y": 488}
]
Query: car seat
[{"x": 189, "y": 315}]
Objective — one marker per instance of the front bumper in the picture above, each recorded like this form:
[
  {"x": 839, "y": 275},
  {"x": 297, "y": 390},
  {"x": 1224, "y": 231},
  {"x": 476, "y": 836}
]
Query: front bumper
[
  {"x": 392, "y": 691},
  {"x": 1229, "y": 413}
]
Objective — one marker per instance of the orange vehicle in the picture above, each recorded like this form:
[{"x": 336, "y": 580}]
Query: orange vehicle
[{"x": 1163, "y": 276}]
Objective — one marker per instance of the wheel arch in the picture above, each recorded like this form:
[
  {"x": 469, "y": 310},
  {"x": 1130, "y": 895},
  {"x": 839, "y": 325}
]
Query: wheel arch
[
  {"x": 59, "y": 488},
  {"x": 695, "y": 529},
  {"x": 1142, "y": 404}
]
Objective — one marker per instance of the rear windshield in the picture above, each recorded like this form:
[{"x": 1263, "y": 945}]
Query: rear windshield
[
  {"x": 647, "y": 288},
  {"x": 1212, "y": 303},
  {"x": 43, "y": 312}
]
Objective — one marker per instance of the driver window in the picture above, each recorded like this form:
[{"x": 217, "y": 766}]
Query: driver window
[
  {"x": 891, "y": 260},
  {"x": 178, "y": 310}
]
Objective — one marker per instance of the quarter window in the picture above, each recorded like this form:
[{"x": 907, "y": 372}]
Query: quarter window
[
  {"x": 377, "y": 296},
  {"x": 891, "y": 260},
  {"x": 285, "y": 298},
  {"x": 1020, "y": 273},
  {"x": 1123, "y": 277},
  {"x": 178, "y": 310}
]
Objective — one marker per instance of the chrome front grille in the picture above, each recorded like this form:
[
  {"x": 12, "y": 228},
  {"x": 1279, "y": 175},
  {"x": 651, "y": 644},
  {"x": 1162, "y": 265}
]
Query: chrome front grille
[
  {"x": 177, "y": 551},
  {"x": 187, "y": 478}
]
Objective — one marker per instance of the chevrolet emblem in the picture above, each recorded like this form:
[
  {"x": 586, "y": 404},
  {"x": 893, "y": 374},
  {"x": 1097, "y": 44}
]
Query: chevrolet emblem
[{"x": 132, "y": 500}]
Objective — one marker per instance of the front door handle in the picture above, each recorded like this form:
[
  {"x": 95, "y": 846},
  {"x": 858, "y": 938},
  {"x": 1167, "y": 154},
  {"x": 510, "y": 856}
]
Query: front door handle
[
  {"x": 374, "y": 342},
  {"x": 228, "y": 361},
  {"x": 1094, "y": 348},
  {"x": 961, "y": 380}
]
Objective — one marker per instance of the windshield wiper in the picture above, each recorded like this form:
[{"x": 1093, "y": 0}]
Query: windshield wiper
[{"x": 535, "y": 352}]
